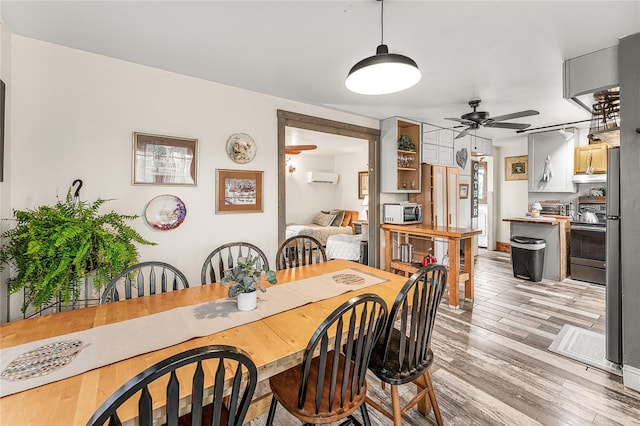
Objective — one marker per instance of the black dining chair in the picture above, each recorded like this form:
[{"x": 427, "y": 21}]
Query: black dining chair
[
  {"x": 300, "y": 250},
  {"x": 330, "y": 384},
  {"x": 402, "y": 355},
  {"x": 225, "y": 257},
  {"x": 233, "y": 374},
  {"x": 146, "y": 278}
]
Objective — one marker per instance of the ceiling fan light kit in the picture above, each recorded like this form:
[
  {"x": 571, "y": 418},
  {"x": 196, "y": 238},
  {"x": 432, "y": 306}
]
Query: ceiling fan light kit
[{"x": 384, "y": 72}]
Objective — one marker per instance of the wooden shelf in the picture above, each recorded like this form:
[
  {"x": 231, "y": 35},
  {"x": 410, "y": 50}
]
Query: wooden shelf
[
  {"x": 412, "y": 169},
  {"x": 397, "y": 265},
  {"x": 402, "y": 151}
]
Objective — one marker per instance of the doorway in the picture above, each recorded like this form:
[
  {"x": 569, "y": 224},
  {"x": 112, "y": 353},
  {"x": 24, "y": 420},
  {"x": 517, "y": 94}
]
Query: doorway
[{"x": 372, "y": 136}]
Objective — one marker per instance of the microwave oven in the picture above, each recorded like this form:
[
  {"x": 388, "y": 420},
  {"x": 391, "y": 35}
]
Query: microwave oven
[{"x": 402, "y": 213}]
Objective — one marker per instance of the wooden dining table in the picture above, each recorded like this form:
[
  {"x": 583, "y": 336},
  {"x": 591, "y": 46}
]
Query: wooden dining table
[{"x": 274, "y": 343}]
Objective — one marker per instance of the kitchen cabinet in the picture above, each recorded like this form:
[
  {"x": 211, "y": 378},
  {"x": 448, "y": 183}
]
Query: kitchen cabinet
[
  {"x": 480, "y": 146},
  {"x": 440, "y": 200},
  {"x": 437, "y": 145},
  {"x": 551, "y": 158},
  {"x": 399, "y": 168},
  {"x": 592, "y": 155}
]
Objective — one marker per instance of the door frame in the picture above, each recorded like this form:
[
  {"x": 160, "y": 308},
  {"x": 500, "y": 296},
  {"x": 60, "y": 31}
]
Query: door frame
[{"x": 372, "y": 136}]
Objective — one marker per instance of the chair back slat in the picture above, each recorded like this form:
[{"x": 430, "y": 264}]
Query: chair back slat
[
  {"x": 415, "y": 320},
  {"x": 233, "y": 396},
  {"x": 366, "y": 316},
  {"x": 145, "y": 407},
  {"x": 145, "y": 280},
  {"x": 300, "y": 250},
  {"x": 173, "y": 399},
  {"x": 223, "y": 258},
  {"x": 197, "y": 395}
]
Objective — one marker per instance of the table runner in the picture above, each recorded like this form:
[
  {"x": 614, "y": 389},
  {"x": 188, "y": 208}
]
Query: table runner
[{"x": 48, "y": 360}]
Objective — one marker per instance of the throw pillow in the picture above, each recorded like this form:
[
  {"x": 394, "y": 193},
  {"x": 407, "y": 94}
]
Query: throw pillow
[
  {"x": 346, "y": 221},
  {"x": 323, "y": 219},
  {"x": 339, "y": 216}
]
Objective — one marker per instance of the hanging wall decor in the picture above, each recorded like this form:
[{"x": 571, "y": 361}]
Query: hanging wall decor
[
  {"x": 164, "y": 160},
  {"x": 238, "y": 191},
  {"x": 516, "y": 168},
  {"x": 241, "y": 148}
]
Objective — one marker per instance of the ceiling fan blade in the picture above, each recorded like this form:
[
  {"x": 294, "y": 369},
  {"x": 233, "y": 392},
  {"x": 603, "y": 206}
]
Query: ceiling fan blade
[
  {"x": 301, "y": 147},
  {"x": 467, "y": 122},
  {"x": 463, "y": 133},
  {"x": 291, "y": 152},
  {"x": 518, "y": 126},
  {"x": 513, "y": 115}
]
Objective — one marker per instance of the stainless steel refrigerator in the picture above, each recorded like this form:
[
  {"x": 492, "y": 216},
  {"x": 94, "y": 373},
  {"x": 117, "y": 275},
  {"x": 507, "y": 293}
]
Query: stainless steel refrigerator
[{"x": 613, "y": 323}]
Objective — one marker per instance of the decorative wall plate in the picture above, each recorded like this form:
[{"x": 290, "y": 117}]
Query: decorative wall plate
[
  {"x": 165, "y": 212},
  {"x": 241, "y": 148}
]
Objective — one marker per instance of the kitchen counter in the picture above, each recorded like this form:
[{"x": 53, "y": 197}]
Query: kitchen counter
[{"x": 555, "y": 231}]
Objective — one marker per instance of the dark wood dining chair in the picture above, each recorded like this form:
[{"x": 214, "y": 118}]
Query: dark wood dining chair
[
  {"x": 225, "y": 257},
  {"x": 402, "y": 355},
  {"x": 330, "y": 384},
  {"x": 300, "y": 250},
  {"x": 146, "y": 278},
  {"x": 230, "y": 400}
]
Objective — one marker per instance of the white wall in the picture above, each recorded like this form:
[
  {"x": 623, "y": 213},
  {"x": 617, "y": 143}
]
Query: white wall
[
  {"x": 304, "y": 199},
  {"x": 348, "y": 166},
  {"x": 73, "y": 115},
  {"x": 511, "y": 197}
]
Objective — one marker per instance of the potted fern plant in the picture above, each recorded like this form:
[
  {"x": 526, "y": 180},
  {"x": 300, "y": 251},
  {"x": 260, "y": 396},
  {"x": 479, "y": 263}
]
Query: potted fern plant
[
  {"x": 244, "y": 279},
  {"x": 52, "y": 248}
]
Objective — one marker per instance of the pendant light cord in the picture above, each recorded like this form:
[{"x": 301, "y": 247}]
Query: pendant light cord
[{"x": 381, "y": 21}]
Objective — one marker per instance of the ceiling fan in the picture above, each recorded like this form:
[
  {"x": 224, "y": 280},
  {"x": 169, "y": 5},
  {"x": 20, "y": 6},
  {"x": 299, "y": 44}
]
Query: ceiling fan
[
  {"x": 297, "y": 149},
  {"x": 473, "y": 120}
]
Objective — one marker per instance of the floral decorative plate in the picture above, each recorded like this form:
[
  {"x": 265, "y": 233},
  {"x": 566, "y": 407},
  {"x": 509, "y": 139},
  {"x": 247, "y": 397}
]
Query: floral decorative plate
[
  {"x": 165, "y": 212},
  {"x": 241, "y": 148}
]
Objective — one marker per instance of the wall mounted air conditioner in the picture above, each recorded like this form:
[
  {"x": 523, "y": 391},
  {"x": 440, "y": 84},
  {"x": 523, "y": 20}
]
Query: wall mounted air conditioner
[{"x": 322, "y": 177}]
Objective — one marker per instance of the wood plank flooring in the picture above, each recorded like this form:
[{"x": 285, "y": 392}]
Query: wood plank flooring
[{"x": 492, "y": 366}]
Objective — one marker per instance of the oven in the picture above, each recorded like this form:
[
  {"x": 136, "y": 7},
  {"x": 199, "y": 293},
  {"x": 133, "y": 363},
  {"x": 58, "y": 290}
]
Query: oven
[{"x": 587, "y": 246}]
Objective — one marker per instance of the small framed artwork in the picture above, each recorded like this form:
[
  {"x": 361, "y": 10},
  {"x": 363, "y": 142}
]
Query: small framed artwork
[
  {"x": 164, "y": 160},
  {"x": 516, "y": 168},
  {"x": 238, "y": 191},
  {"x": 2, "y": 97},
  {"x": 464, "y": 191},
  {"x": 363, "y": 185}
]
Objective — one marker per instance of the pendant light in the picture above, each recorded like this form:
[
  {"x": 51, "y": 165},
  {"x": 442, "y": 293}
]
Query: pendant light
[{"x": 383, "y": 73}]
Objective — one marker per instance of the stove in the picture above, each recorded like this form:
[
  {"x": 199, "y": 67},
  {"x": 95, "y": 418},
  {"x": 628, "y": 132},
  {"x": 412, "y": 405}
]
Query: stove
[{"x": 587, "y": 249}]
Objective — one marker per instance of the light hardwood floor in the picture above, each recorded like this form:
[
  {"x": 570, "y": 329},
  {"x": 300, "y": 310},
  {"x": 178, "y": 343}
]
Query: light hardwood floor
[{"x": 492, "y": 366}]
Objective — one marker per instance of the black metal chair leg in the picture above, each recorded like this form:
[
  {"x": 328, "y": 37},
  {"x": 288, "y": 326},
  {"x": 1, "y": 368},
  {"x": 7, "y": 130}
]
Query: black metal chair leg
[
  {"x": 365, "y": 414},
  {"x": 272, "y": 411}
]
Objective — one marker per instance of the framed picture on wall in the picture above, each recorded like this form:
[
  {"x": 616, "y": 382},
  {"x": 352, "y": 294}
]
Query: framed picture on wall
[
  {"x": 2, "y": 88},
  {"x": 238, "y": 191},
  {"x": 464, "y": 190},
  {"x": 363, "y": 185},
  {"x": 516, "y": 168},
  {"x": 164, "y": 160}
]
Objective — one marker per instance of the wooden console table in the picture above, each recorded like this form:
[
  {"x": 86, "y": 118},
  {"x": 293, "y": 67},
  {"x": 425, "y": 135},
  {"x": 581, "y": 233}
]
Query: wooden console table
[{"x": 454, "y": 236}]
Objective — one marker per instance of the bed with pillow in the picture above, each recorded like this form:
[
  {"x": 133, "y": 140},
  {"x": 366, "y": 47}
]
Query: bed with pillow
[{"x": 325, "y": 224}]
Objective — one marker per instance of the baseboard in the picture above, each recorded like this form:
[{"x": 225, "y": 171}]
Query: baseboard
[
  {"x": 505, "y": 247},
  {"x": 631, "y": 377}
]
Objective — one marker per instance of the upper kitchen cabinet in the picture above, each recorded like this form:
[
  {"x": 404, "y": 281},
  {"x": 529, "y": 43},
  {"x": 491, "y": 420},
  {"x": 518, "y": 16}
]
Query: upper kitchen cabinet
[
  {"x": 400, "y": 155},
  {"x": 437, "y": 145},
  {"x": 591, "y": 158},
  {"x": 481, "y": 146},
  {"x": 551, "y": 158}
]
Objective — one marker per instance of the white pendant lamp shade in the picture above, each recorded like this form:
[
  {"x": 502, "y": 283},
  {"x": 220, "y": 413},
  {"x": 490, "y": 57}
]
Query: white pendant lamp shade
[{"x": 383, "y": 73}]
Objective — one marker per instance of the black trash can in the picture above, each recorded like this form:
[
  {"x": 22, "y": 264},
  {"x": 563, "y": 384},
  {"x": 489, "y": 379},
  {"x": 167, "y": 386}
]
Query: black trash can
[{"x": 527, "y": 257}]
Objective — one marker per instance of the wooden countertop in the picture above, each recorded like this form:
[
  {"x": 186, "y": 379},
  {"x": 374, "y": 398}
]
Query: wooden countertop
[
  {"x": 433, "y": 231},
  {"x": 542, "y": 220}
]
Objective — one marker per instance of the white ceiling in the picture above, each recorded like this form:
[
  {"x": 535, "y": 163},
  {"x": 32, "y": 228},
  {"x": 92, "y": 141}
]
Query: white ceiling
[{"x": 507, "y": 53}]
